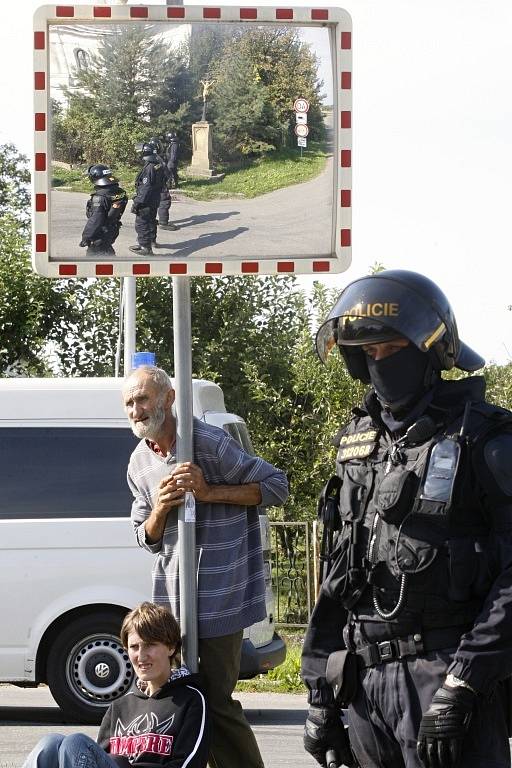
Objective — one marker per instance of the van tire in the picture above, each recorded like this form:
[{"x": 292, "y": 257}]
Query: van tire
[{"x": 88, "y": 668}]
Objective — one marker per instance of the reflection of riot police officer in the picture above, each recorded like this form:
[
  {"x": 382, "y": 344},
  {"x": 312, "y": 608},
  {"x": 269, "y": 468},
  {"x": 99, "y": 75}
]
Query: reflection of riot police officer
[
  {"x": 413, "y": 626},
  {"x": 103, "y": 210},
  {"x": 148, "y": 186},
  {"x": 165, "y": 195},
  {"x": 171, "y": 155}
]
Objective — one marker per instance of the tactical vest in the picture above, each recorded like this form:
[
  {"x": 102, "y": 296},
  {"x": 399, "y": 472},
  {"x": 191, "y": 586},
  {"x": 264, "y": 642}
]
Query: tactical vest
[
  {"x": 156, "y": 171},
  {"x": 116, "y": 200},
  {"x": 401, "y": 557}
]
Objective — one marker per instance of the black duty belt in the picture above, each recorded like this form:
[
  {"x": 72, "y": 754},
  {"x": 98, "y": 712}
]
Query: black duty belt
[{"x": 413, "y": 645}]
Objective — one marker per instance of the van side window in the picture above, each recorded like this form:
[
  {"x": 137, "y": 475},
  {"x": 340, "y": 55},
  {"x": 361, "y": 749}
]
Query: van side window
[{"x": 57, "y": 472}]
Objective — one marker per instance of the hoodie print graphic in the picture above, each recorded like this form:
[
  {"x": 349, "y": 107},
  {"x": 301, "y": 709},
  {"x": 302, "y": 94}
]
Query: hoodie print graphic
[{"x": 144, "y": 734}]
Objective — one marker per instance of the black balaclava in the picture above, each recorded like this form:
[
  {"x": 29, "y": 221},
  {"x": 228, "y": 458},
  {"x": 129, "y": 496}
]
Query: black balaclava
[{"x": 401, "y": 379}]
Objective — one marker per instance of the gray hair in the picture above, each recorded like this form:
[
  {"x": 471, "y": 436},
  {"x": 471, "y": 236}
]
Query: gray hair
[{"x": 157, "y": 375}]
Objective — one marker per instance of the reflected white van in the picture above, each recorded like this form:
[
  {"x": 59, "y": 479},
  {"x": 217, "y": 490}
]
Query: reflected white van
[{"x": 70, "y": 568}]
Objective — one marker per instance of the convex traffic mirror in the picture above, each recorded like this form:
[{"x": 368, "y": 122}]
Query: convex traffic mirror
[{"x": 257, "y": 102}]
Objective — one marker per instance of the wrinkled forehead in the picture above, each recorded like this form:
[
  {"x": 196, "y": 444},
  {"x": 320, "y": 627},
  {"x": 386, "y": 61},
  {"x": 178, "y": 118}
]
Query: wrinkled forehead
[{"x": 139, "y": 383}]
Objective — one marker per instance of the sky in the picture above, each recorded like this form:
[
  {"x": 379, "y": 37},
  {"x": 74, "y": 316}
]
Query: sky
[{"x": 432, "y": 145}]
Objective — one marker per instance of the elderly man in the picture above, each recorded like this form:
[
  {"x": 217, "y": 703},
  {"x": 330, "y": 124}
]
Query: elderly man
[{"x": 228, "y": 485}]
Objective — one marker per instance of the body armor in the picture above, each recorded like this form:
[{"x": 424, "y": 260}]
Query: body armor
[
  {"x": 104, "y": 210},
  {"x": 404, "y": 562},
  {"x": 149, "y": 183}
]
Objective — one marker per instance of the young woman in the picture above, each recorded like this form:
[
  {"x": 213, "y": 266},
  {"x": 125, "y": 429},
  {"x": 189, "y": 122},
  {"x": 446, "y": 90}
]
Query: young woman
[{"x": 162, "y": 723}]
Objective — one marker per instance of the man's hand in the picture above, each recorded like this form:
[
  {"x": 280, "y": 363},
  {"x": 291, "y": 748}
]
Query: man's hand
[
  {"x": 135, "y": 208},
  {"x": 84, "y": 243},
  {"x": 170, "y": 494},
  {"x": 189, "y": 477},
  {"x": 323, "y": 732},
  {"x": 444, "y": 726}
]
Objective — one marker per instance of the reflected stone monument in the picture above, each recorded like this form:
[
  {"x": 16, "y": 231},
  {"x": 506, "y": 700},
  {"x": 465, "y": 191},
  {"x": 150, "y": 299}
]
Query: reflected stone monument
[{"x": 201, "y": 165}]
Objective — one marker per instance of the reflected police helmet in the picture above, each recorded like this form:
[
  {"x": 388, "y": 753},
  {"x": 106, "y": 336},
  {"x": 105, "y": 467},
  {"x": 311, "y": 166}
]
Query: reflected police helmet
[
  {"x": 389, "y": 304},
  {"x": 101, "y": 175},
  {"x": 155, "y": 141},
  {"x": 146, "y": 150}
]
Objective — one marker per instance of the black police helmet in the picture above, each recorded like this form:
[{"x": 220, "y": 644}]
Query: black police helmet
[
  {"x": 171, "y": 136},
  {"x": 101, "y": 175},
  {"x": 107, "y": 181},
  {"x": 146, "y": 150},
  {"x": 155, "y": 141},
  {"x": 389, "y": 304}
]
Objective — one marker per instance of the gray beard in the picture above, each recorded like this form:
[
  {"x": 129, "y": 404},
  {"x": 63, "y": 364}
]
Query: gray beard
[{"x": 150, "y": 429}]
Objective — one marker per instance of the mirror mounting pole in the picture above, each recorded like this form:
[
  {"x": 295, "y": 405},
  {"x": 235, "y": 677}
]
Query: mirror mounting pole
[
  {"x": 130, "y": 312},
  {"x": 182, "y": 334},
  {"x": 128, "y": 289}
]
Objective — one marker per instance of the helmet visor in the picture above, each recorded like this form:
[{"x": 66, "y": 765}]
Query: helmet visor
[
  {"x": 351, "y": 331},
  {"x": 363, "y": 330}
]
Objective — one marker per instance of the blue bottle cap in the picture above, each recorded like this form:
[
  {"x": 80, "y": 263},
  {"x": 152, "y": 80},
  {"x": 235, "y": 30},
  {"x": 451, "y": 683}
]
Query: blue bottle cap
[{"x": 143, "y": 358}]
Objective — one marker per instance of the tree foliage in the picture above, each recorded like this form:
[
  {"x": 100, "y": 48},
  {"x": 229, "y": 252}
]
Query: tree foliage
[
  {"x": 257, "y": 78},
  {"x": 134, "y": 86},
  {"x": 30, "y": 308},
  {"x": 499, "y": 384},
  {"x": 14, "y": 184}
]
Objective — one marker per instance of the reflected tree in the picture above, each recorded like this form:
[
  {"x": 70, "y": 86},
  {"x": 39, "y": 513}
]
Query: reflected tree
[
  {"x": 134, "y": 84},
  {"x": 259, "y": 76}
]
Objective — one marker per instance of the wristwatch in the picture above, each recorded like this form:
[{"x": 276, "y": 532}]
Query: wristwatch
[{"x": 456, "y": 682}]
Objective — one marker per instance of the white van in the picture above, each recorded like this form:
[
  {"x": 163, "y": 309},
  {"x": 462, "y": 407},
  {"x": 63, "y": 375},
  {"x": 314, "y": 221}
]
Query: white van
[{"x": 70, "y": 568}]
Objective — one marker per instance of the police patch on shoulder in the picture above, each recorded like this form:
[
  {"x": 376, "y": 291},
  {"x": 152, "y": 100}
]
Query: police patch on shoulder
[
  {"x": 145, "y": 180},
  {"x": 358, "y": 445}
]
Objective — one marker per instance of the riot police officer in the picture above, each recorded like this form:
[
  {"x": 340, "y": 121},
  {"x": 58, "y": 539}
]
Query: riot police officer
[
  {"x": 104, "y": 210},
  {"x": 148, "y": 187},
  {"x": 171, "y": 155},
  {"x": 412, "y": 630},
  {"x": 165, "y": 195}
]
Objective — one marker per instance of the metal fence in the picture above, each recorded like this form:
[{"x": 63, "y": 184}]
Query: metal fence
[{"x": 293, "y": 572}]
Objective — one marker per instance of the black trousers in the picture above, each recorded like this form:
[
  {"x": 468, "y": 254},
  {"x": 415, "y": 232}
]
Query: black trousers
[
  {"x": 174, "y": 175},
  {"x": 163, "y": 208},
  {"x": 385, "y": 715},
  {"x": 105, "y": 242},
  {"x": 145, "y": 225}
]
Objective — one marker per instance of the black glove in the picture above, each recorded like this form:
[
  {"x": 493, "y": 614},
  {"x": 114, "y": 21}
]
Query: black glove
[
  {"x": 444, "y": 726},
  {"x": 324, "y": 731},
  {"x": 84, "y": 243},
  {"x": 135, "y": 208}
]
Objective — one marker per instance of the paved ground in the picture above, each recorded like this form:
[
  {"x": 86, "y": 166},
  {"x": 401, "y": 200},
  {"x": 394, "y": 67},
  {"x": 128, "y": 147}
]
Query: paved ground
[
  {"x": 27, "y": 714},
  {"x": 294, "y": 222}
]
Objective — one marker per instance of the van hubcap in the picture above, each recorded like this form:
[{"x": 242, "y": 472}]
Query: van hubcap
[{"x": 99, "y": 670}]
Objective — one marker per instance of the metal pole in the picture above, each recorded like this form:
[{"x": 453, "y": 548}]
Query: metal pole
[
  {"x": 120, "y": 327},
  {"x": 129, "y": 322},
  {"x": 182, "y": 330},
  {"x": 185, "y": 452}
]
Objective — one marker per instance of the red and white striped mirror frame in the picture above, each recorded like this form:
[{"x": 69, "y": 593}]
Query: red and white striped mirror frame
[{"x": 335, "y": 18}]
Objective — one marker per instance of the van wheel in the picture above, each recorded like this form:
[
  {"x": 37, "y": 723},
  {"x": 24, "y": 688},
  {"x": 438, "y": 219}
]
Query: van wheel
[{"x": 88, "y": 668}]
